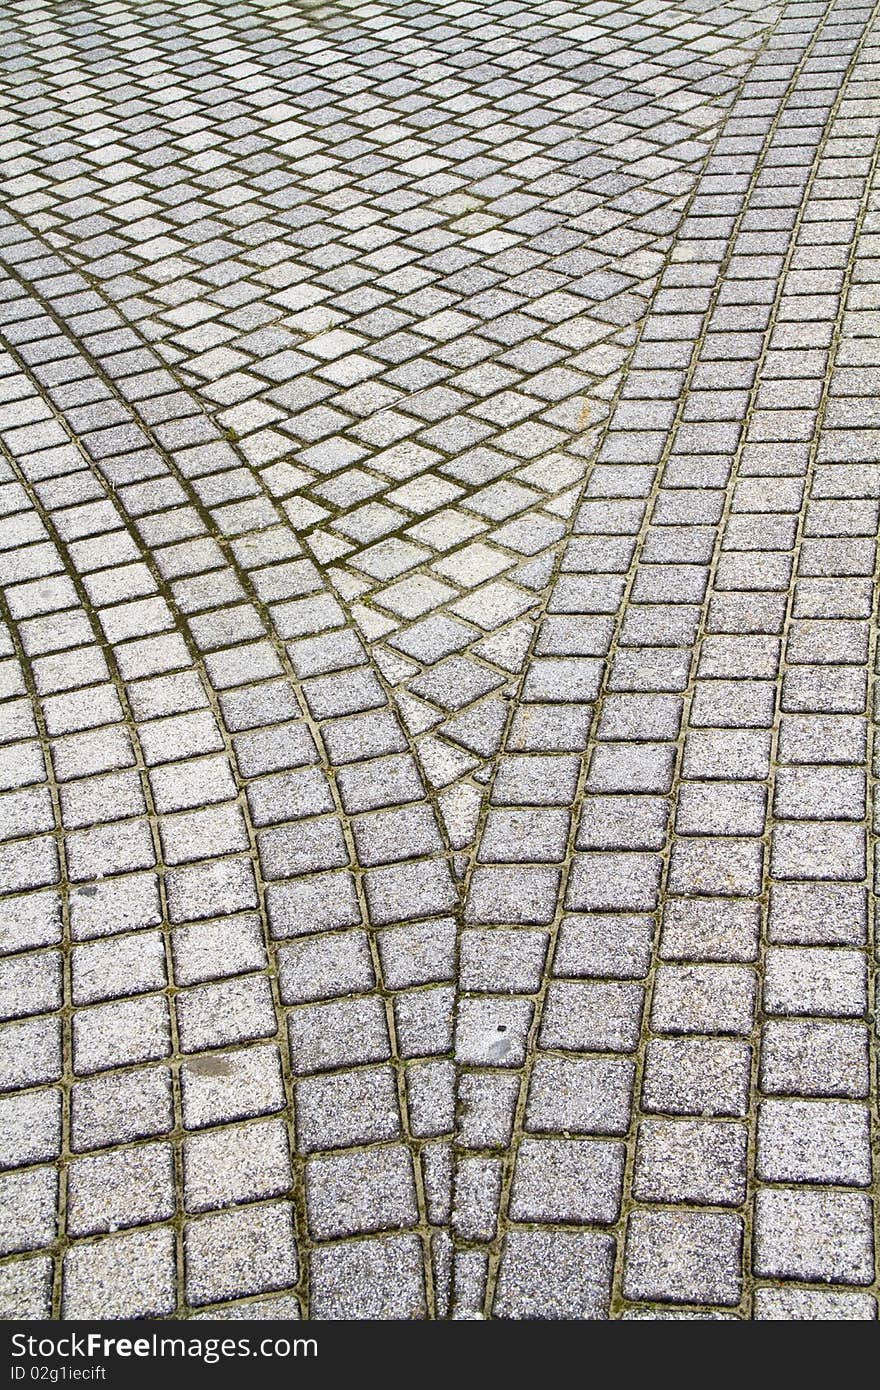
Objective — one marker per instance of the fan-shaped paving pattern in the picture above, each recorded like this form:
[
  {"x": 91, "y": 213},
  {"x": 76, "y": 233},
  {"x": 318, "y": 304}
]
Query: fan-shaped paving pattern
[{"x": 438, "y": 525}]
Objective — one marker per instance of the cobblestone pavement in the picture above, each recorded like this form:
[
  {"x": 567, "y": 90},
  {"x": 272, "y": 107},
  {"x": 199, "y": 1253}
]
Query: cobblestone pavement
[{"x": 438, "y": 513}]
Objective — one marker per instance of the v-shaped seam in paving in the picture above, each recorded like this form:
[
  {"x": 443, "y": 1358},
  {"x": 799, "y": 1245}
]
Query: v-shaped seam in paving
[{"x": 439, "y": 497}]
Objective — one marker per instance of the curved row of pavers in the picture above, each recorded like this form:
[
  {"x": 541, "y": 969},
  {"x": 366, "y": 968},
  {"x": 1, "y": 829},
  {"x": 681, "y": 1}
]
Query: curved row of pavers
[
  {"x": 704, "y": 724},
  {"x": 229, "y": 810}
]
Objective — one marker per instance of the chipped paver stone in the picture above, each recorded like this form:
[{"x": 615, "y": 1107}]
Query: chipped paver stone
[{"x": 438, "y": 534}]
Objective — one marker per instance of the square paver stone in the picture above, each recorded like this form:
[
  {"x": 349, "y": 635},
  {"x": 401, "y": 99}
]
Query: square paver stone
[
  {"x": 28, "y": 1202},
  {"x": 233, "y": 1253},
  {"x": 238, "y": 1164},
  {"x": 372, "y": 1190},
  {"x": 554, "y": 1274},
  {"x": 224, "y": 1086},
  {"x": 26, "y": 1290},
  {"x": 820, "y": 1141},
  {"x": 592, "y": 1016},
  {"x": 683, "y": 1257},
  {"x": 567, "y": 1180},
  {"x": 349, "y": 1107},
  {"x": 813, "y": 1305},
  {"x": 126, "y": 1188},
  {"x": 814, "y": 1236},
  {"x": 815, "y": 1058},
  {"x": 580, "y": 1095},
  {"x": 122, "y": 1276},
  {"x": 694, "y": 1076},
  {"x": 369, "y": 1279}
]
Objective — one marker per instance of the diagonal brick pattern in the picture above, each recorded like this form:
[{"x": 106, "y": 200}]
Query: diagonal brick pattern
[
  {"x": 429, "y": 315},
  {"x": 438, "y": 516}
]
